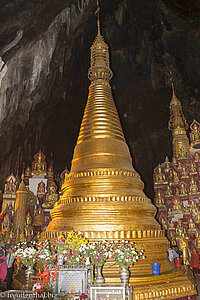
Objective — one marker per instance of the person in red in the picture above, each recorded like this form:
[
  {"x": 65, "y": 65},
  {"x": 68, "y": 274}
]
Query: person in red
[
  {"x": 195, "y": 259},
  {"x": 3, "y": 265}
]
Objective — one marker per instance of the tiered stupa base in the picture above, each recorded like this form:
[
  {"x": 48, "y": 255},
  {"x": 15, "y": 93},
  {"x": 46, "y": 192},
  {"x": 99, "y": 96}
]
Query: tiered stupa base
[{"x": 170, "y": 284}]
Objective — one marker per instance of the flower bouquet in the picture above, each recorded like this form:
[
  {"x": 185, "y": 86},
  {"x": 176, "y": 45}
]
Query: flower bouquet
[
  {"x": 26, "y": 254},
  {"x": 47, "y": 278},
  {"x": 99, "y": 253},
  {"x": 125, "y": 254},
  {"x": 44, "y": 254}
]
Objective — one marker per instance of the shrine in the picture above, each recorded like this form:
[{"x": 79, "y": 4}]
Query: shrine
[{"x": 177, "y": 197}]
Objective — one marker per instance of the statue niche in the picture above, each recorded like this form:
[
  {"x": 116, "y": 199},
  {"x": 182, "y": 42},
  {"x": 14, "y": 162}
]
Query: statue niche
[
  {"x": 39, "y": 165},
  {"x": 195, "y": 135},
  {"x": 10, "y": 186}
]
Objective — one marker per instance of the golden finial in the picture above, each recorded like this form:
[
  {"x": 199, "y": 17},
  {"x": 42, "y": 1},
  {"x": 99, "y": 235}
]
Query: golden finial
[{"x": 172, "y": 81}]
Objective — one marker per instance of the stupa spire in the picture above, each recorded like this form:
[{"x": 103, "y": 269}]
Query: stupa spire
[{"x": 178, "y": 125}]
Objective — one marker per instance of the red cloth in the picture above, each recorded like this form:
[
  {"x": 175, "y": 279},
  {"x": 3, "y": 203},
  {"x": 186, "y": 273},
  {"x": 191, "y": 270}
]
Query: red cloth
[
  {"x": 195, "y": 258},
  {"x": 3, "y": 269}
]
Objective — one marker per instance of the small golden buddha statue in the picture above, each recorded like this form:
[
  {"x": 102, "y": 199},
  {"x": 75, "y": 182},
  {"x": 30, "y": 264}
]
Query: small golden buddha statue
[
  {"x": 193, "y": 205},
  {"x": 195, "y": 212},
  {"x": 184, "y": 173},
  {"x": 177, "y": 207},
  {"x": 175, "y": 178},
  {"x": 197, "y": 239},
  {"x": 183, "y": 246},
  {"x": 167, "y": 163},
  {"x": 186, "y": 210},
  {"x": 179, "y": 167},
  {"x": 183, "y": 190},
  {"x": 10, "y": 187},
  {"x": 193, "y": 187},
  {"x": 170, "y": 173},
  {"x": 28, "y": 225},
  {"x": 168, "y": 192},
  {"x": 22, "y": 237},
  {"x": 192, "y": 226},
  {"x": 174, "y": 160},
  {"x": 195, "y": 135},
  {"x": 163, "y": 223},
  {"x": 179, "y": 229},
  {"x": 159, "y": 200},
  {"x": 177, "y": 192},
  {"x": 39, "y": 218},
  {"x": 198, "y": 217},
  {"x": 170, "y": 212},
  {"x": 41, "y": 188},
  {"x": 196, "y": 157},
  {"x": 171, "y": 225},
  {"x": 160, "y": 177},
  {"x": 50, "y": 172},
  {"x": 193, "y": 169},
  {"x": 52, "y": 197}
]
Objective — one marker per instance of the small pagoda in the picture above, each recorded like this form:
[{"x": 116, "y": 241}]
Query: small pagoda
[{"x": 176, "y": 183}]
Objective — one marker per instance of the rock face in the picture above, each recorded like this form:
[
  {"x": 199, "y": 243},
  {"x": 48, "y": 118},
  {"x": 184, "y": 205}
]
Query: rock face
[{"x": 45, "y": 51}]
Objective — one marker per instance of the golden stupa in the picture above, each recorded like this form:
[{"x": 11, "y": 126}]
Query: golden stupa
[
  {"x": 178, "y": 125},
  {"x": 103, "y": 198}
]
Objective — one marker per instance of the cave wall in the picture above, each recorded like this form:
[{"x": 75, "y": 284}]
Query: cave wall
[{"x": 45, "y": 56}]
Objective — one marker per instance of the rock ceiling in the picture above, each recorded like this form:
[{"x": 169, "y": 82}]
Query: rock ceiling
[{"x": 44, "y": 58}]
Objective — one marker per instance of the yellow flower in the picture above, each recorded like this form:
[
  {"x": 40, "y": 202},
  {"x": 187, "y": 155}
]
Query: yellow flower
[
  {"x": 84, "y": 241},
  {"x": 61, "y": 237},
  {"x": 71, "y": 234},
  {"x": 68, "y": 240},
  {"x": 78, "y": 236}
]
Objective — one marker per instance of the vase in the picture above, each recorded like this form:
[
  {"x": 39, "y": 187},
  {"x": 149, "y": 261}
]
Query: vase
[
  {"x": 60, "y": 260},
  {"x": 124, "y": 275},
  {"x": 155, "y": 268},
  {"x": 99, "y": 278},
  {"x": 87, "y": 260},
  {"x": 29, "y": 271}
]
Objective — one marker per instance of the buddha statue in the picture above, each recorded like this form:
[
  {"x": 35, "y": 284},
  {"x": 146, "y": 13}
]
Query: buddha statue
[
  {"x": 50, "y": 172},
  {"x": 193, "y": 169},
  {"x": 39, "y": 218},
  {"x": 167, "y": 163},
  {"x": 183, "y": 153},
  {"x": 195, "y": 212},
  {"x": 197, "y": 239},
  {"x": 183, "y": 246},
  {"x": 177, "y": 192},
  {"x": 159, "y": 200},
  {"x": 28, "y": 225},
  {"x": 39, "y": 166},
  {"x": 170, "y": 212},
  {"x": 51, "y": 196},
  {"x": 160, "y": 177},
  {"x": 177, "y": 207},
  {"x": 193, "y": 205},
  {"x": 22, "y": 237},
  {"x": 192, "y": 227},
  {"x": 193, "y": 187},
  {"x": 179, "y": 167},
  {"x": 170, "y": 173},
  {"x": 195, "y": 135},
  {"x": 171, "y": 225},
  {"x": 41, "y": 188},
  {"x": 163, "y": 223},
  {"x": 198, "y": 217},
  {"x": 174, "y": 160},
  {"x": 175, "y": 177},
  {"x": 184, "y": 173},
  {"x": 186, "y": 210},
  {"x": 10, "y": 187},
  {"x": 168, "y": 192},
  {"x": 179, "y": 229},
  {"x": 183, "y": 191},
  {"x": 196, "y": 157}
]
